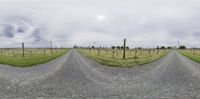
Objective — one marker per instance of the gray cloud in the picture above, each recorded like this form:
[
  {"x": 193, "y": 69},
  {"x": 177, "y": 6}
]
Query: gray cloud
[{"x": 9, "y": 31}]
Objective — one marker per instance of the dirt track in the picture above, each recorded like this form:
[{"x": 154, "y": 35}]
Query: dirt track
[{"x": 74, "y": 75}]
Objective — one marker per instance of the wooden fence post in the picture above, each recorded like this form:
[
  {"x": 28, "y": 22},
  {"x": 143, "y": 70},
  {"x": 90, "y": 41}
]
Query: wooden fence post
[
  {"x": 22, "y": 49},
  {"x": 124, "y": 49}
]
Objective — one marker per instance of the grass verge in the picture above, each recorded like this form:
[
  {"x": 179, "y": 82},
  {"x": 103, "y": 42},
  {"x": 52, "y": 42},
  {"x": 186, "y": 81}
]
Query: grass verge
[
  {"x": 117, "y": 61},
  {"x": 35, "y": 59},
  {"x": 193, "y": 56}
]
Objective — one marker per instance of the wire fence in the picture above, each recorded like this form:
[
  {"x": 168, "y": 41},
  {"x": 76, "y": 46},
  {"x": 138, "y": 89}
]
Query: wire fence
[
  {"x": 103, "y": 44},
  {"x": 50, "y": 47}
]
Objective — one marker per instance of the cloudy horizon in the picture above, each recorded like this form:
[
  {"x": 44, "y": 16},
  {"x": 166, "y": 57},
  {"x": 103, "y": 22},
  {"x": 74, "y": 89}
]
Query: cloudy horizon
[{"x": 86, "y": 22}]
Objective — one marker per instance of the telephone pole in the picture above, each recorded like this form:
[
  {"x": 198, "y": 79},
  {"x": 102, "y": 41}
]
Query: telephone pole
[
  {"x": 22, "y": 49},
  {"x": 124, "y": 49}
]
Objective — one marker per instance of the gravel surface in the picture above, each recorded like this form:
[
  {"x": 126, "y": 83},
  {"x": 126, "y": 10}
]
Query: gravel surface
[{"x": 74, "y": 75}]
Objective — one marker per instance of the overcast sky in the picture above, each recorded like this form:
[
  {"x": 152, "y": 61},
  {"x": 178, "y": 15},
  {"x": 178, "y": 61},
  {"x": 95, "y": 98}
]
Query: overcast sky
[{"x": 87, "y": 22}]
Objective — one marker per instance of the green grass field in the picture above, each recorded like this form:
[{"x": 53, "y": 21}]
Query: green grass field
[
  {"x": 107, "y": 57},
  {"x": 32, "y": 57},
  {"x": 191, "y": 54}
]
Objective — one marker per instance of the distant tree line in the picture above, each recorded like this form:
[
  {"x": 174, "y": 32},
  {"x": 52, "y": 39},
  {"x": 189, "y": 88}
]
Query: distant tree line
[
  {"x": 163, "y": 47},
  {"x": 127, "y": 47},
  {"x": 119, "y": 47}
]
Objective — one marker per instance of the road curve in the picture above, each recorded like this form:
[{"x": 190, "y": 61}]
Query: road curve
[{"x": 74, "y": 75}]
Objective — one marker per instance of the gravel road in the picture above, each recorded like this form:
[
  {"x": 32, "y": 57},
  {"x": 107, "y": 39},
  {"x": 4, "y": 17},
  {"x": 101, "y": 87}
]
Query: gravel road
[{"x": 74, "y": 75}]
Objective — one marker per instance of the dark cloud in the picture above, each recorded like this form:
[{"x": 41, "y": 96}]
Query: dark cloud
[
  {"x": 9, "y": 31},
  {"x": 20, "y": 30},
  {"x": 12, "y": 25}
]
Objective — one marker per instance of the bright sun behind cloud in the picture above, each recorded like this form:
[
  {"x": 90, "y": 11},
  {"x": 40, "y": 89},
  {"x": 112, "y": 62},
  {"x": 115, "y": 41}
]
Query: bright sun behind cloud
[{"x": 101, "y": 17}]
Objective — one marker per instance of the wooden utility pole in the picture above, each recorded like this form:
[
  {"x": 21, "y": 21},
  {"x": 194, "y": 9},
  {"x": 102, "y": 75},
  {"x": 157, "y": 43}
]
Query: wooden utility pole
[
  {"x": 124, "y": 49},
  {"x": 22, "y": 49}
]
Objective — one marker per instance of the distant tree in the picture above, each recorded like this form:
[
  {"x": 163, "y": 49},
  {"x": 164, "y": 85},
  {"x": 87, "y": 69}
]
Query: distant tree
[
  {"x": 92, "y": 46},
  {"x": 158, "y": 47},
  {"x": 75, "y": 46},
  {"x": 182, "y": 47},
  {"x": 118, "y": 47},
  {"x": 169, "y": 47},
  {"x": 162, "y": 47},
  {"x": 127, "y": 47},
  {"x": 113, "y": 47},
  {"x": 122, "y": 47}
]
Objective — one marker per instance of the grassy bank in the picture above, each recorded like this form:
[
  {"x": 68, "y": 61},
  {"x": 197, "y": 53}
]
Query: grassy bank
[
  {"x": 32, "y": 57},
  {"x": 114, "y": 57},
  {"x": 191, "y": 54}
]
